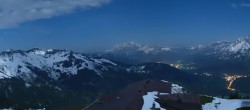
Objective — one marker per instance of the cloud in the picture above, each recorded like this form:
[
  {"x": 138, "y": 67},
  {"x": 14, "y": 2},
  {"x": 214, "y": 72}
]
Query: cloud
[
  {"x": 15, "y": 12},
  {"x": 240, "y": 5},
  {"x": 245, "y": 4},
  {"x": 234, "y": 5}
]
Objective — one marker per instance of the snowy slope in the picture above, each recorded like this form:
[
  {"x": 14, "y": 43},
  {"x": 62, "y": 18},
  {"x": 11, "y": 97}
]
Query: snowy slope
[
  {"x": 18, "y": 63},
  {"x": 240, "y": 46},
  {"x": 226, "y": 104},
  {"x": 175, "y": 89},
  {"x": 149, "y": 98}
]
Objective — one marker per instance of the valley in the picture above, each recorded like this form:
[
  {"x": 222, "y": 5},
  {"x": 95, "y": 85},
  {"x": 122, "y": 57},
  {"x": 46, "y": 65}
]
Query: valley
[
  {"x": 124, "y": 55},
  {"x": 194, "y": 69},
  {"x": 230, "y": 79},
  {"x": 221, "y": 57},
  {"x": 82, "y": 78},
  {"x": 183, "y": 66}
]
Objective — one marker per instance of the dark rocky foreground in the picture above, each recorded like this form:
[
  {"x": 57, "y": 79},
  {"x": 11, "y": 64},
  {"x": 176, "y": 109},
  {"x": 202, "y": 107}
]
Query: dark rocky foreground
[{"x": 131, "y": 98}]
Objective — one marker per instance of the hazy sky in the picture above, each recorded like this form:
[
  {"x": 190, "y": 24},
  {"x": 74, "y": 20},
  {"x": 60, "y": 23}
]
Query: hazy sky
[{"x": 100, "y": 24}]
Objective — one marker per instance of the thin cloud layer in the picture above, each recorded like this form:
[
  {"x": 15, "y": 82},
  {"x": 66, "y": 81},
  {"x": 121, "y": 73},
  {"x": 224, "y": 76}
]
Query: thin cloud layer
[
  {"x": 240, "y": 5},
  {"x": 15, "y": 12},
  {"x": 245, "y": 4}
]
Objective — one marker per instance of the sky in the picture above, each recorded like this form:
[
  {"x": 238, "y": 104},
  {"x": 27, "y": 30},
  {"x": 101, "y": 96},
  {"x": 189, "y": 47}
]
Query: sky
[{"x": 99, "y": 24}]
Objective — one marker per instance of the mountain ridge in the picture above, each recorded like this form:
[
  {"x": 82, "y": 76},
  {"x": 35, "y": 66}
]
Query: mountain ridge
[
  {"x": 64, "y": 61},
  {"x": 61, "y": 77},
  {"x": 135, "y": 53}
]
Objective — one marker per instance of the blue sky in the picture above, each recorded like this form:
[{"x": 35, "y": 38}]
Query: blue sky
[{"x": 104, "y": 23}]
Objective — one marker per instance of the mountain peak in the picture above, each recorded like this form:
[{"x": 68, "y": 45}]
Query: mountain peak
[
  {"x": 130, "y": 44},
  {"x": 136, "y": 47},
  {"x": 37, "y": 51},
  {"x": 245, "y": 39},
  {"x": 18, "y": 63},
  {"x": 241, "y": 45}
]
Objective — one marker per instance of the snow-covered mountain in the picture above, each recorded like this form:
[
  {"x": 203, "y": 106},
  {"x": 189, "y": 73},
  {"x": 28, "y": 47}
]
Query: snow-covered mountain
[
  {"x": 132, "y": 47},
  {"x": 241, "y": 45},
  {"x": 218, "y": 57},
  {"x": 237, "y": 48},
  {"x": 54, "y": 78},
  {"x": 17, "y": 63},
  {"x": 135, "y": 53},
  {"x": 140, "y": 53}
]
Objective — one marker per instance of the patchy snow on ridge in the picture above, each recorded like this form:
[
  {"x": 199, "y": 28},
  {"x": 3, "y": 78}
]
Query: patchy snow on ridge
[
  {"x": 18, "y": 63},
  {"x": 40, "y": 52},
  {"x": 165, "y": 81},
  {"x": 27, "y": 85},
  {"x": 226, "y": 104},
  {"x": 102, "y": 60},
  {"x": 175, "y": 89},
  {"x": 166, "y": 49},
  {"x": 132, "y": 47},
  {"x": 146, "y": 49},
  {"x": 241, "y": 45},
  {"x": 149, "y": 100}
]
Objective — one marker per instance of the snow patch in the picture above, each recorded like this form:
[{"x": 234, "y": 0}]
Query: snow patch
[
  {"x": 149, "y": 100},
  {"x": 226, "y": 104},
  {"x": 27, "y": 85},
  {"x": 146, "y": 49},
  {"x": 175, "y": 89},
  {"x": 166, "y": 49},
  {"x": 40, "y": 52}
]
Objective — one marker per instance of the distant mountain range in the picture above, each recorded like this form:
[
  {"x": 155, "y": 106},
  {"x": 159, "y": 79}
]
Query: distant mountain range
[
  {"x": 134, "y": 53},
  {"x": 62, "y": 79},
  {"x": 55, "y": 62},
  {"x": 220, "y": 57},
  {"x": 132, "y": 47},
  {"x": 226, "y": 49}
]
